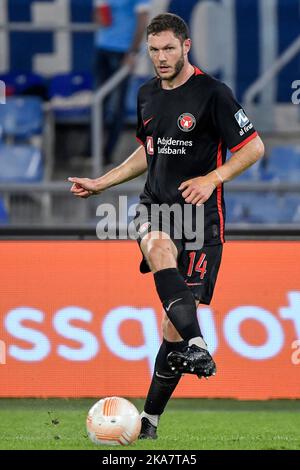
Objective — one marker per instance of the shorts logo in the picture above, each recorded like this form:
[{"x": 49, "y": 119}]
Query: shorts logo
[
  {"x": 241, "y": 118},
  {"x": 150, "y": 146},
  {"x": 186, "y": 122},
  {"x": 143, "y": 227}
]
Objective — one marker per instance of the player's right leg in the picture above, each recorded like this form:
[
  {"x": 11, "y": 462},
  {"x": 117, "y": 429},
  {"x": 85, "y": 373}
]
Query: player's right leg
[
  {"x": 197, "y": 360},
  {"x": 177, "y": 299},
  {"x": 188, "y": 359}
]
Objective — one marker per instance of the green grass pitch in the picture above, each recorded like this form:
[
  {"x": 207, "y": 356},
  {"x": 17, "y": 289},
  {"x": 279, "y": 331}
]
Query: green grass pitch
[{"x": 186, "y": 424}]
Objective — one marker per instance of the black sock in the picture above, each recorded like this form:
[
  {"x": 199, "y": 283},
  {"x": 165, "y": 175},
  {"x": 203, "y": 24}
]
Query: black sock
[
  {"x": 164, "y": 381},
  {"x": 178, "y": 302}
]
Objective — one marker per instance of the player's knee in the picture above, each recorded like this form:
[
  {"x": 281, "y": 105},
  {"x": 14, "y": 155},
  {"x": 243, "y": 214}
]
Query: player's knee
[{"x": 160, "y": 256}]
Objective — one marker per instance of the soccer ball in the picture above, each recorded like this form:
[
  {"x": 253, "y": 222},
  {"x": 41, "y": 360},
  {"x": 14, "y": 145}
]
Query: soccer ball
[{"x": 113, "y": 421}]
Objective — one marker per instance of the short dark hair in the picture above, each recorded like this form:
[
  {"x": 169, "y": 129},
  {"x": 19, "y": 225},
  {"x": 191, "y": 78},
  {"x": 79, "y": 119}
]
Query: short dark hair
[{"x": 169, "y": 22}]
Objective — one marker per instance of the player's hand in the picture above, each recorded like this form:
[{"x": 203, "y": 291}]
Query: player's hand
[
  {"x": 197, "y": 190},
  {"x": 84, "y": 187}
]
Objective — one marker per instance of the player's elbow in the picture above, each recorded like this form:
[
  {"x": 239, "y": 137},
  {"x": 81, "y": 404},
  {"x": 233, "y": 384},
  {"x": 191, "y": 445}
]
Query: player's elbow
[{"x": 259, "y": 148}]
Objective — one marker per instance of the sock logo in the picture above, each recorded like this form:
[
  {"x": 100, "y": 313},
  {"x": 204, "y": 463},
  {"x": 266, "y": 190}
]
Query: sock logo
[
  {"x": 164, "y": 376},
  {"x": 170, "y": 305}
]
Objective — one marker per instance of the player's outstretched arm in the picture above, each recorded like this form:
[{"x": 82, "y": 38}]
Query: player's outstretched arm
[
  {"x": 134, "y": 166},
  {"x": 198, "y": 190}
]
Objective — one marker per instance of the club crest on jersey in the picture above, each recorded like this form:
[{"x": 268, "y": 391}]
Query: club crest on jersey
[
  {"x": 241, "y": 118},
  {"x": 186, "y": 122}
]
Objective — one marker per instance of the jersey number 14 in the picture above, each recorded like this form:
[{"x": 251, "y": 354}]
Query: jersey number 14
[{"x": 200, "y": 265}]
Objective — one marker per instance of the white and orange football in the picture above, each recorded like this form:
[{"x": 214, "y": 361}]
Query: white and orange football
[{"x": 113, "y": 421}]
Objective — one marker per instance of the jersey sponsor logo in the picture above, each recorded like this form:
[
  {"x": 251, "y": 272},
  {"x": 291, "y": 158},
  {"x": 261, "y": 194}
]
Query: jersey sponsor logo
[
  {"x": 246, "y": 129},
  {"x": 150, "y": 146},
  {"x": 147, "y": 121},
  {"x": 175, "y": 142},
  {"x": 186, "y": 122},
  {"x": 170, "y": 146},
  {"x": 241, "y": 118}
]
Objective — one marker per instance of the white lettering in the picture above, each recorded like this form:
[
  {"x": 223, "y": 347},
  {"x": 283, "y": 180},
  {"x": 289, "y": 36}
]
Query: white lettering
[
  {"x": 88, "y": 341},
  {"x": 292, "y": 311},
  {"x": 147, "y": 319},
  {"x": 2, "y": 352},
  {"x": 2, "y": 92},
  {"x": 170, "y": 151},
  {"x": 208, "y": 328},
  {"x": 13, "y": 324},
  {"x": 273, "y": 343},
  {"x": 174, "y": 142},
  {"x": 248, "y": 128},
  {"x": 296, "y": 354},
  {"x": 296, "y": 94}
]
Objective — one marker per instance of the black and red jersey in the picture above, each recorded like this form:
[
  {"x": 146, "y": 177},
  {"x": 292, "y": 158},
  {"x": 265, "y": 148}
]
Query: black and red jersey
[{"x": 186, "y": 132}]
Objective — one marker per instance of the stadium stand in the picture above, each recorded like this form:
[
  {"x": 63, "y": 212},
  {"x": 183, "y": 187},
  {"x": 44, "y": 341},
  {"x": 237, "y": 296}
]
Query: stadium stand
[
  {"x": 283, "y": 164},
  {"x": 21, "y": 124},
  {"x": 21, "y": 117},
  {"x": 25, "y": 83},
  {"x": 20, "y": 163},
  {"x": 71, "y": 96},
  {"x": 45, "y": 125}
]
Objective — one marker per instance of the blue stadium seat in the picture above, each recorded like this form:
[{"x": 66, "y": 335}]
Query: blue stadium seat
[
  {"x": 239, "y": 208},
  {"x": 291, "y": 210},
  {"x": 283, "y": 164},
  {"x": 68, "y": 87},
  {"x": 26, "y": 83},
  {"x": 67, "y": 84},
  {"x": 268, "y": 208},
  {"x": 21, "y": 117},
  {"x": 4, "y": 217},
  {"x": 264, "y": 208},
  {"x": 20, "y": 163}
]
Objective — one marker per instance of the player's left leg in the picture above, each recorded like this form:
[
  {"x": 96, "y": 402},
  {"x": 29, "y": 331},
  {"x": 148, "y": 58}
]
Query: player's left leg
[{"x": 164, "y": 380}]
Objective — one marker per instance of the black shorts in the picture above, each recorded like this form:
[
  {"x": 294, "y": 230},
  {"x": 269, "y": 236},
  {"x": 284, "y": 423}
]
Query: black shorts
[{"x": 199, "y": 268}]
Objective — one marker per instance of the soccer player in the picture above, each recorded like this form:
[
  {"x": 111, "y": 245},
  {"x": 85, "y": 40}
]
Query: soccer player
[{"x": 186, "y": 122}]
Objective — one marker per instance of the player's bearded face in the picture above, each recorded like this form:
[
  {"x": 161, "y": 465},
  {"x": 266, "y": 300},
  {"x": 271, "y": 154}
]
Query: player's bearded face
[
  {"x": 167, "y": 54},
  {"x": 171, "y": 71}
]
